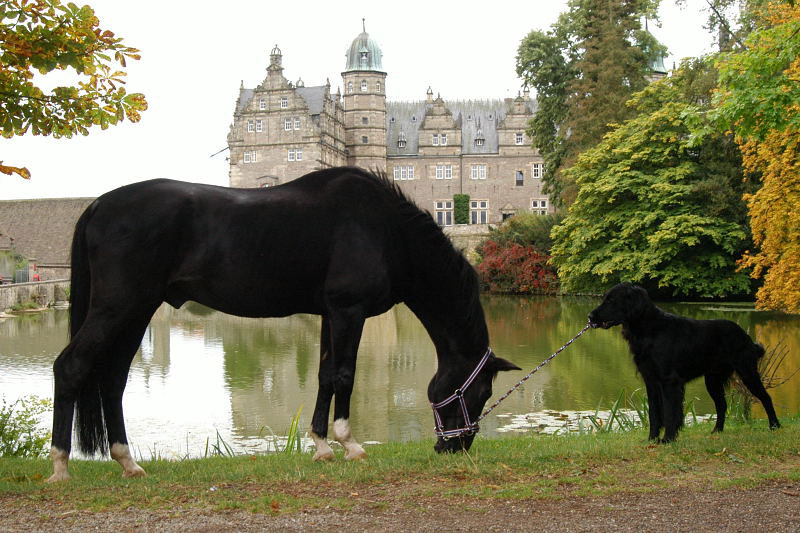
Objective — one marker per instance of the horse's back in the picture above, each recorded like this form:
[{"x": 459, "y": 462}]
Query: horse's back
[{"x": 255, "y": 252}]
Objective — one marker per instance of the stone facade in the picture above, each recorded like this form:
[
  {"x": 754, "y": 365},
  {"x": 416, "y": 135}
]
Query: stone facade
[{"x": 433, "y": 148}]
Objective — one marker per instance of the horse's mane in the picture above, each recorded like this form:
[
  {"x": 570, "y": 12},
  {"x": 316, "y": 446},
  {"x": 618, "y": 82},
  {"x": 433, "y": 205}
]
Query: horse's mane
[{"x": 438, "y": 256}]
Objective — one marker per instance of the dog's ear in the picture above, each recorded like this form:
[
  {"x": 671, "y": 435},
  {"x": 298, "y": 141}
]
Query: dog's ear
[
  {"x": 498, "y": 364},
  {"x": 639, "y": 300}
]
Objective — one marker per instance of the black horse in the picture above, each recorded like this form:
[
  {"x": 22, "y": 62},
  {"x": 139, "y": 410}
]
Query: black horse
[{"x": 341, "y": 243}]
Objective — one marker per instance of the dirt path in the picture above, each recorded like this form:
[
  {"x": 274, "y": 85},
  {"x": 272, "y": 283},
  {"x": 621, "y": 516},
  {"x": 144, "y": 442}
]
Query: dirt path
[{"x": 767, "y": 508}]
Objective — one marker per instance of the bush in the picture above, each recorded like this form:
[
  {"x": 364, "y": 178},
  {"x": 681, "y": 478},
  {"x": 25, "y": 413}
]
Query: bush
[
  {"x": 526, "y": 229},
  {"x": 513, "y": 268},
  {"x": 20, "y": 434},
  {"x": 461, "y": 208}
]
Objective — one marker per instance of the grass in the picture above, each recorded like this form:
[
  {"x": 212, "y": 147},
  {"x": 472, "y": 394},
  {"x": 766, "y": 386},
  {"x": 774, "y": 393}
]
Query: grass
[{"x": 539, "y": 466}]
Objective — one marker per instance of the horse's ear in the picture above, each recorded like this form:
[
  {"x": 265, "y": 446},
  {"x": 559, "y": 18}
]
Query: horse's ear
[{"x": 498, "y": 364}]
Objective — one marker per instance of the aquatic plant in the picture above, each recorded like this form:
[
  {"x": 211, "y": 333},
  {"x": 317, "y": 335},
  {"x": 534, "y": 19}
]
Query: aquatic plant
[{"x": 20, "y": 433}]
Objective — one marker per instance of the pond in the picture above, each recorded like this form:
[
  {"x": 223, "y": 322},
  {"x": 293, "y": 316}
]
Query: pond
[{"x": 201, "y": 375}]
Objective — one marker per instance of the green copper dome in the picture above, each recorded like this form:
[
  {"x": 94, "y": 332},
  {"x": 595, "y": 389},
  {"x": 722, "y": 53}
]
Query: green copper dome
[{"x": 364, "y": 54}]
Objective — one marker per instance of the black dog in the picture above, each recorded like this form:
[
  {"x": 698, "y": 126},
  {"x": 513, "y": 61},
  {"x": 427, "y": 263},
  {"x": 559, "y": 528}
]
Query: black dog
[{"x": 670, "y": 351}]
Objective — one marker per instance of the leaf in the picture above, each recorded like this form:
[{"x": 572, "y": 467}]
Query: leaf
[{"x": 21, "y": 171}]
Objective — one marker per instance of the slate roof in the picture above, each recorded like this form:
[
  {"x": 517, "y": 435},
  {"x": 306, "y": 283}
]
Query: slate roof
[
  {"x": 41, "y": 229},
  {"x": 314, "y": 97},
  {"x": 471, "y": 115}
]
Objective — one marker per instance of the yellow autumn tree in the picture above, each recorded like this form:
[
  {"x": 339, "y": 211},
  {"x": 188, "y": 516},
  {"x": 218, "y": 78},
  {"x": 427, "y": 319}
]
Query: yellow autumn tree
[{"x": 759, "y": 98}]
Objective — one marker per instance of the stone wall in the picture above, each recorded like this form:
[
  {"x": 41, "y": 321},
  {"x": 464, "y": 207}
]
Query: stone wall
[
  {"x": 467, "y": 237},
  {"x": 44, "y": 293}
]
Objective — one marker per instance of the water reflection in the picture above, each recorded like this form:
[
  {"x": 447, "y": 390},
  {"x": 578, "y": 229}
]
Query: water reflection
[{"x": 200, "y": 372}]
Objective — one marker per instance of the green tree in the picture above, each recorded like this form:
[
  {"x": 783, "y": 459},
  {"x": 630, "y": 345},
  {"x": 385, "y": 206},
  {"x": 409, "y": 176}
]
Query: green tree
[
  {"x": 43, "y": 36},
  {"x": 759, "y": 99},
  {"x": 583, "y": 70},
  {"x": 655, "y": 207}
]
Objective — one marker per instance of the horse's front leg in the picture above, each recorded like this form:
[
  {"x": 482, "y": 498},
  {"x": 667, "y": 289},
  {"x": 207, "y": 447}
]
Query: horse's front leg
[
  {"x": 319, "y": 421},
  {"x": 346, "y": 328}
]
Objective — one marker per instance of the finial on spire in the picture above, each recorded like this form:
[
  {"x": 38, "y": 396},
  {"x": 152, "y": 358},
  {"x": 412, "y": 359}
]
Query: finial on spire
[{"x": 363, "y": 24}]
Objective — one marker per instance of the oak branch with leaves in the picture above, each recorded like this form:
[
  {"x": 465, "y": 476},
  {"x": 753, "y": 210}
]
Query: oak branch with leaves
[{"x": 42, "y": 36}]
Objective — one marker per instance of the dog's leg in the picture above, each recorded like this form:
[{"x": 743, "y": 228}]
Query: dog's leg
[
  {"x": 655, "y": 409},
  {"x": 752, "y": 381},
  {"x": 673, "y": 409},
  {"x": 716, "y": 388}
]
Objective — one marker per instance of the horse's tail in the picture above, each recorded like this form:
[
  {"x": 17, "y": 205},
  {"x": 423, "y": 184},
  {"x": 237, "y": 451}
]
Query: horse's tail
[{"x": 89, "y": 420}]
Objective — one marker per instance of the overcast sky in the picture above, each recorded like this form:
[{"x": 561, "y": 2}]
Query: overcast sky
[{"x": 195, "y": 54}]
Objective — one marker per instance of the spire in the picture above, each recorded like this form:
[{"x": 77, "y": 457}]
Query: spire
[{"x": 363, "y": 25}]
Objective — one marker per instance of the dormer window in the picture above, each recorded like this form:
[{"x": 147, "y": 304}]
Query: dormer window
[
  {"x": 414, "y": 118},
  {"x": 479, "y": 141},
  {"x": 262, "y": 103},
  {"x": 364, "y": 58},
  {"x": 401, "y": 140}
]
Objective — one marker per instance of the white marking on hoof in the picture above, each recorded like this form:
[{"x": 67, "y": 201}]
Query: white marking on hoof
[
  {"x": 341, "y": 431},
  {"x": 122, "y": 454},
  {"x": 60, "y": 460},
  {"x": 324, "y": 451}
]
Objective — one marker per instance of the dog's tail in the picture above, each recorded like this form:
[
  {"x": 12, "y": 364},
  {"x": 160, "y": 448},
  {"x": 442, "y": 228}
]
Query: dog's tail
[{"x": 759, "y": 350}]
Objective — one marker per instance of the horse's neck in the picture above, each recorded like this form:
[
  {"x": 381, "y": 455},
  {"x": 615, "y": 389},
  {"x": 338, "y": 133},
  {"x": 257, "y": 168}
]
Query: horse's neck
[{"x": 451, "y": 329}]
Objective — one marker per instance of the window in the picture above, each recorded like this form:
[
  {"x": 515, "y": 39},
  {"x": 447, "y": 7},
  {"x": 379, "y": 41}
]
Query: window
[
  {"x": 251, "y": 126},
  {"x": 287, "y": 124},
  {"x": 259, "y": 125},
  {"x": 444, "y": 139},
  {"x": 435, "y": 139},
  {"x": 364, "y": 139},
  {"x": 284, "y": 102},
  {"x": 292, "y": 154},
  {"x": 365, "y": 120},
  {"x": 297, "y": 123},
  {"x": 443, "y": 210},
  {"x": 478, "y": 172},
  {"x": 262, "y": 103},
  {"x": 295, "y": 154},
  {"x": 479, "y": 141},
  {"x": 536, "y": 170},
  {"x": 299, "y": 154},
  {"x": 363, "y": 86},
  {"x": 518, "y": 138},
  {"x": 349, "y": 87},
  {"x": 539, "y": 206},
  {"x": 478, "y": 211},
  {"x": 250, "y": 156},
  {"x": 444, "y": 172},
  {"x": 520, "y": 179},
  {"x": 378, "y": 87},
  {"x": 404, "y": 173},
  {"x": 401, "y": 143}
]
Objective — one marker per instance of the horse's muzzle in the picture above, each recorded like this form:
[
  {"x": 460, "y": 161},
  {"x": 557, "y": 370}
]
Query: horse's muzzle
[{"x": 453, "y": 445}]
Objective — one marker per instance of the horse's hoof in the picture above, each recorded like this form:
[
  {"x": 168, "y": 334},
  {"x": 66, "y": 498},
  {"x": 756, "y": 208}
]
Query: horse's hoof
[
  {"x": 355, "y": 453},
  {"x": 323, "y": 456},
  {"x": 58, "y": 477},
  {"x": 135, "y": 472}
]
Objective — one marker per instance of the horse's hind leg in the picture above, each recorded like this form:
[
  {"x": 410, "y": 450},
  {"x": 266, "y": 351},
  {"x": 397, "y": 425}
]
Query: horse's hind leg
[
  {"x": 319, "y": 421},
  {"x": 346, "y": 328},
  {"x": 111, "y": 389},
  {"x": 71, "y": 371}
]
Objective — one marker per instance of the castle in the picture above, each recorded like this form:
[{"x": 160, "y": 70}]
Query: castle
[{"x": 433, "y": 149}]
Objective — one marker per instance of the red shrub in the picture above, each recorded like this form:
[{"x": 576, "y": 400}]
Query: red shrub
[{"x": 513, "y": 268}]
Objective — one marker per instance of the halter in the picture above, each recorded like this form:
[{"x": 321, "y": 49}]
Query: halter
[{"x": 470, "y": 428}]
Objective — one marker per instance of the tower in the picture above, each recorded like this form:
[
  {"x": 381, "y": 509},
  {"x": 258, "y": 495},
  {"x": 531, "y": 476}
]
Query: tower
[{"x": 365, "y": 104}]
